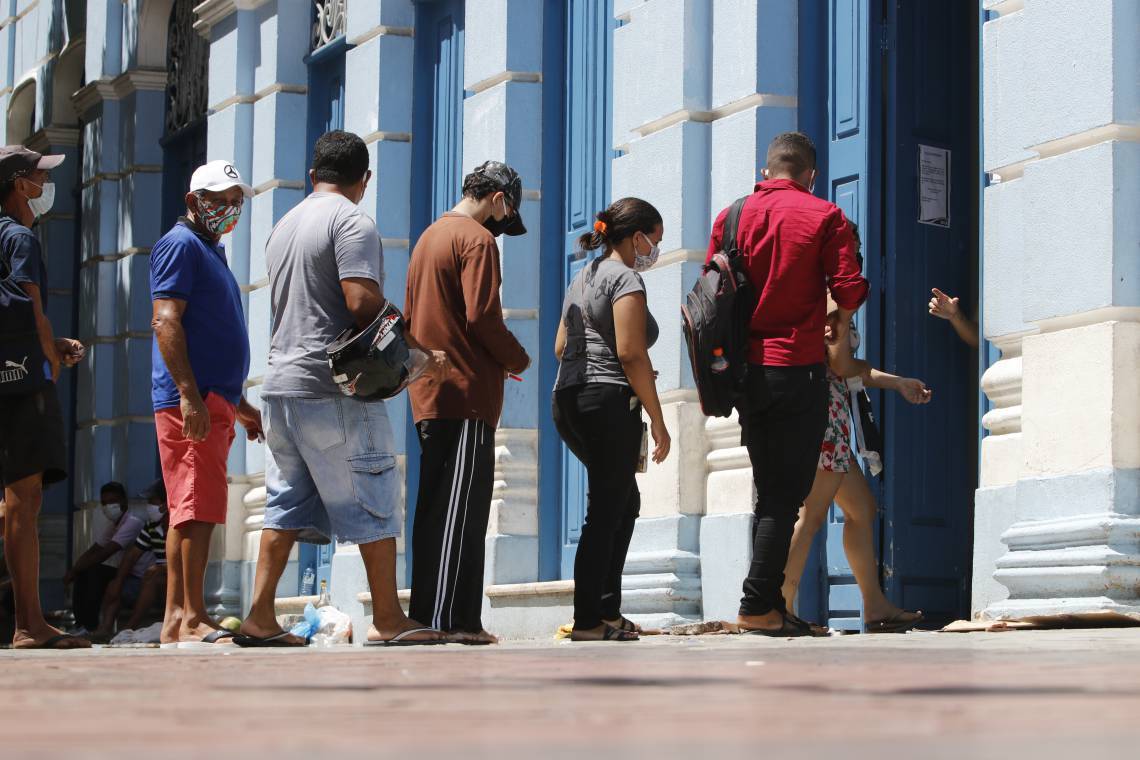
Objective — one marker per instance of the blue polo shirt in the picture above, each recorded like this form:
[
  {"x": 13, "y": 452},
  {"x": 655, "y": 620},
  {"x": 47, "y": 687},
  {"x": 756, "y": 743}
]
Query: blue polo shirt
[{"x": 192, "y": 269}]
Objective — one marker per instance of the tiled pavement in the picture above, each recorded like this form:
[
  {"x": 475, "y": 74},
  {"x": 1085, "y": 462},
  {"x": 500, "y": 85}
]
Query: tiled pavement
[{"x": 923, "y": 695}]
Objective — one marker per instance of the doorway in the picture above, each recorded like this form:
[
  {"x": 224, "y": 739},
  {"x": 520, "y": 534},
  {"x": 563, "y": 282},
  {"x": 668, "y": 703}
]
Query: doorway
[{"x": 899, "y": 91}]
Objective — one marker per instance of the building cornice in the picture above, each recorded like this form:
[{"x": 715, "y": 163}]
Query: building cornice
[
  {"x": 47, "y": 137},
  {"x": 212, "y": 12},
  {"x": 136, "y": 80}
]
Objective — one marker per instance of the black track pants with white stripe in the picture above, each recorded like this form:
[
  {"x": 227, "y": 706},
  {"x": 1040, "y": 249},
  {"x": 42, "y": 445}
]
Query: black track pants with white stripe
[{"x": 457, "y": 469}]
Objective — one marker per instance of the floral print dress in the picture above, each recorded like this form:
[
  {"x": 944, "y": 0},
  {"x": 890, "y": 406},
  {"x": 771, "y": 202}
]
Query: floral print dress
[{"x": 835, "y": 452}]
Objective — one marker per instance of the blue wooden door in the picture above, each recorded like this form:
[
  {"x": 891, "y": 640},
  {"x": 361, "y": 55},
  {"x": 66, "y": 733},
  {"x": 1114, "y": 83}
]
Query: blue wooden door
[
  {"x": 589, "y": 53},
  {"x": 930, "y": 451},
  {"x": 437, "y": 160},
  {"x": 325, "y": 113},
  {"x": 848, "y": 179}
]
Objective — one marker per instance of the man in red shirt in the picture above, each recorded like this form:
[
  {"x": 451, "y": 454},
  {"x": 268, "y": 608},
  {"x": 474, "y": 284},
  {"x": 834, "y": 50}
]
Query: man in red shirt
[{"x": 796, "y": 248}]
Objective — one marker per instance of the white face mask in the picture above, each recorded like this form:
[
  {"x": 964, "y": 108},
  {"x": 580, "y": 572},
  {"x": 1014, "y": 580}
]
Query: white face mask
[
  {"x": 642, "y": 263},
  {"x": 153, "y": 512},
  {"x": 43, "y": 204},
  {"x": 112, "y": 511}
]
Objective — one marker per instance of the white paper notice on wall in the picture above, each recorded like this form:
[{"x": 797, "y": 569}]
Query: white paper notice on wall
[{"x": 933, "y": 186}]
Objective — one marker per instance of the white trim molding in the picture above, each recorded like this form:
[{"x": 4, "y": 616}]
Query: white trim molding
[{"x": 212, "y": 12}]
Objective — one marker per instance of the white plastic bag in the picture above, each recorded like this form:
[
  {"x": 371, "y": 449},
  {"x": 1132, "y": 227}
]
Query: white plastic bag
[{"x": 335, "y": 626}]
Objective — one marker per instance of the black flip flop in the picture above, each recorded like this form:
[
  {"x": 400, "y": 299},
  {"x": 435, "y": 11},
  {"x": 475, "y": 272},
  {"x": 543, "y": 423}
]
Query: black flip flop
[
  {"x": 789, "y": 628},
  {"x": 52, "y": 641},
  {"x": 817, "y": 631},
  {"x": 207, "y": 643},
  {"x": 611, "y": 634},
  {"x": 895, "y": 623},
  {"x": 402, "y": 640},
  {"x": 276, "y": 640}
]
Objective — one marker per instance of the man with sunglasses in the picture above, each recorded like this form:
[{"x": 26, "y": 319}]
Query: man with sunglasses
[
  {"x": 453, "y": 305},
  {"x": 200, "y": 360}
]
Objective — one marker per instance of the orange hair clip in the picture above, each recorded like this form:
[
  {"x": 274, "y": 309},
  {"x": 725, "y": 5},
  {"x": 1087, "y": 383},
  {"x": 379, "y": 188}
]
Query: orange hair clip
[{"x": 600, "y": 226}]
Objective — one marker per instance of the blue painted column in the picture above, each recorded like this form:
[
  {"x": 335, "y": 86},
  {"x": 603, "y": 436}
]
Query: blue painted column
[
  {"x": 502, "y": 118},
  {"x": 257, "y": 97},
  {"x": 378, "y": 108},
  {"x": 663, "y": 135},
  {"x": 1058, "y": 510}
]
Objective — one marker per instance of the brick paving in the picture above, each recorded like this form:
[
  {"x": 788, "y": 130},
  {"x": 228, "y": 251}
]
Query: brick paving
[{"x": 925, "y": 695}]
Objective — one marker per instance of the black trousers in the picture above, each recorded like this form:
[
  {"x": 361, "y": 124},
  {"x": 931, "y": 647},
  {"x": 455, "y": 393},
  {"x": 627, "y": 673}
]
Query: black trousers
[
  {"x": 457, "y": 471},
  {"x": 87, "y": 594},
  {"x": 783, "y": 429},
  {"x": 601, "y": 424}
]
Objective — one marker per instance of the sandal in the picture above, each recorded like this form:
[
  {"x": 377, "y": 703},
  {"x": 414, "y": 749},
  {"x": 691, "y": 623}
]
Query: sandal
[
  {"x": 276, "y": 640},
  {"x": 58, "y": 641},
  {"x": 402, "y": 639},
  {"x": 819, "y": 631},
  {"x": 900, "y": 622},
  {"x": 790, "y": 627},
  {"x": 611, "y": 634}
]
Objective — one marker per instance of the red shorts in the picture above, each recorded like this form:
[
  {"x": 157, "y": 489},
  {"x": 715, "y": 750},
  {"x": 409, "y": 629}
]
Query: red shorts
[{"x": 195, "y": 471}]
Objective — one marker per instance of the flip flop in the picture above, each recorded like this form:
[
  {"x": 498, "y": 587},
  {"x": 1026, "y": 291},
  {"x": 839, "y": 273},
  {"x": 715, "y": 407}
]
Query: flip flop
[
  {"x": 789, "y": 628},
  {"x": 276, "y": 640},
  {"x": 625, "y": 624},
  {"x": 896, "y": 623},
  {"x": 818, "y": 631},
  {"x": 209, "y": 641},
  {"x": 52, "y": 642},
  {"x": 402, "y": 640},
  {"x": 612, "y": 634}
]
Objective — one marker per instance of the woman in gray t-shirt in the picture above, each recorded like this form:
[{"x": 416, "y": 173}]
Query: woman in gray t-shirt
[{"x": 604, "y": 379}]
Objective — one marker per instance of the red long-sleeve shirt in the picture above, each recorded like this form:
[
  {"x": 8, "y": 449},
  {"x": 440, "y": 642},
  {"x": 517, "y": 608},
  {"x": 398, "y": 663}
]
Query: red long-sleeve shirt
[{"x": 796, "y": 247}]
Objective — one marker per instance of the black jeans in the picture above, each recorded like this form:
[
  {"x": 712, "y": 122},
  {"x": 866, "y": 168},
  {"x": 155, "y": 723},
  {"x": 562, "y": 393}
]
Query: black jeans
[
  {"x": 783, "y": 429},
  {"x": 601, "y": 424}
]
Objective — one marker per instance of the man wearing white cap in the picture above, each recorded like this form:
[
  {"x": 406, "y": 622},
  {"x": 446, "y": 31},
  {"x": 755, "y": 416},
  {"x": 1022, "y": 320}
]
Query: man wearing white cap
[
  {"x": 33, "y": 448},
  {"x": 200, "y": 359}
]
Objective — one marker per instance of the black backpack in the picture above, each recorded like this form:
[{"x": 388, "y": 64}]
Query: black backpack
[
  {"x": 21, "y": 357},
  {"x": 716, "y": 317}
]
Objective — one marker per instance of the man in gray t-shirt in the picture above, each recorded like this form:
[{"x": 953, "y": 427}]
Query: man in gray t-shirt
[
  {"x": 591, "y": 355},
  {"x": 324, "y": 240},
  {"x": 331, "y": 473}
]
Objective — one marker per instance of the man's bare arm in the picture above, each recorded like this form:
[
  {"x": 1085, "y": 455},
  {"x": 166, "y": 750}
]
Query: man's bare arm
[{"x": 166, "y": 322}]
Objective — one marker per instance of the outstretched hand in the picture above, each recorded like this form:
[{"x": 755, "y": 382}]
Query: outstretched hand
[
  {"x": 913, "y": 390},
  {"x": 943, "y": 306}
]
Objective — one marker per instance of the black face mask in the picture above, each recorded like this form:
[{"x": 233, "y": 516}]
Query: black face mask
[{"x": 497, "y": 226}]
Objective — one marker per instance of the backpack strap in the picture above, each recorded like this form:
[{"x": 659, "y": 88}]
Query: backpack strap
[{"x": 728, "y": 242}]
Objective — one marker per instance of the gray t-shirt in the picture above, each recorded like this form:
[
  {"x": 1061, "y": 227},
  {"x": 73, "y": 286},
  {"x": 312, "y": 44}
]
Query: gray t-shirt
[
  {"x": 323, "y": 240},
  {"x": 590, "y": 355}
]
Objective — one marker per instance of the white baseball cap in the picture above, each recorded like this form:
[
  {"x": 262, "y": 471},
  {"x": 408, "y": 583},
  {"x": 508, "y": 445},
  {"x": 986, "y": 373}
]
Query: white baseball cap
[{"x": 216, "y": 176}]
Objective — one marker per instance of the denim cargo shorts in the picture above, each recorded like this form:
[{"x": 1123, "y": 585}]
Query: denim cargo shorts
[{"x": 331, "y": 472}]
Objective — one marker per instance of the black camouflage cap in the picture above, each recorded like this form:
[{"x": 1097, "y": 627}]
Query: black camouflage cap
[{"x": 509, "y": 182}]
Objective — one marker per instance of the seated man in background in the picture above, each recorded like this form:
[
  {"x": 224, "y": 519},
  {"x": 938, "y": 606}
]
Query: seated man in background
[
  {"x": 141, "y": 578},
  {"x": 97, "y": 566}
]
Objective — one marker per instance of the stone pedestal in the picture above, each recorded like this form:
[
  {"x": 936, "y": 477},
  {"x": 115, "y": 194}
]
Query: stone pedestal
[{"x": 1061, "y": 464}]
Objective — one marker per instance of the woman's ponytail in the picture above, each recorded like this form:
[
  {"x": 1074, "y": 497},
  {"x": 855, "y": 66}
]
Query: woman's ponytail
[
  {"x": 623, "y": 218},
  {"x": 596, "y": 238}
]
